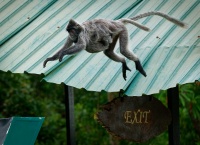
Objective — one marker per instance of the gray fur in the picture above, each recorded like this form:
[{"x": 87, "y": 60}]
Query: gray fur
[{"x": 101, "y": 35}]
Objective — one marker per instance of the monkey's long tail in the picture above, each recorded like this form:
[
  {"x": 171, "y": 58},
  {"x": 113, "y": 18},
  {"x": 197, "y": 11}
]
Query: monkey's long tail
[
  {"x": 124, "y": 20},
  {"x": 169, "y": 18}
]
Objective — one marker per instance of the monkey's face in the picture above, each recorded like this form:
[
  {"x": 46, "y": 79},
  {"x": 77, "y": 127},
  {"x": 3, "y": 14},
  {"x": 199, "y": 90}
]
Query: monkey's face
[{"x": 73, "y": 29}]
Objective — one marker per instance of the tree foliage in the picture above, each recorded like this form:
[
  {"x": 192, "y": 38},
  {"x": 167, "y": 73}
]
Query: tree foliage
[{"x": 27, "y": 95}]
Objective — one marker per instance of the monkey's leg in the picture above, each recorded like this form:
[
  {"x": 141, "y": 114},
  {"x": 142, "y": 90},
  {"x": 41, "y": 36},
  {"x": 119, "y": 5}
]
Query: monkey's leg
[
  {"x": 123, "y": 41},
  {"x": 110, "y": 53}
]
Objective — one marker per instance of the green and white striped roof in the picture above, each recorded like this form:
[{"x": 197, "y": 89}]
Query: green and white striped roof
[{"x": 31, "y": 31}]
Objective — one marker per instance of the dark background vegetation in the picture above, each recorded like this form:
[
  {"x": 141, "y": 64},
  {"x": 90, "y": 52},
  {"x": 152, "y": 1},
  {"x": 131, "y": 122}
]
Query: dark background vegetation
[{"x": 28, "y": 95}]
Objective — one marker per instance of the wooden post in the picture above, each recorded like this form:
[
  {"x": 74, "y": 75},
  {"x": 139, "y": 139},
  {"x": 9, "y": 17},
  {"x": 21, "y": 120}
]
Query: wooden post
[
  {"x": 69, "y": 108},
  {"x": 173, "y": 105},
  {"x": 113, "y": 141}
]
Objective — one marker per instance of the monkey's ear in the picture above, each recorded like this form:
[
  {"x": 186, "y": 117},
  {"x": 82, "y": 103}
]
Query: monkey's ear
[{"x": 72, "y": 22}]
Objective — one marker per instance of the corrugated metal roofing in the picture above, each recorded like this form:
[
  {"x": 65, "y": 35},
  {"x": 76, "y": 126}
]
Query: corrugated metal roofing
[{"x": 31, "y": 31}]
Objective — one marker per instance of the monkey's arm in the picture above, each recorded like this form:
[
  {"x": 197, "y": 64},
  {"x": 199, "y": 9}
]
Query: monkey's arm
[
  {"x": 72, "y": 50},
  {"x": 67, "y": 44},
  {"x": 80, "y": 45}
]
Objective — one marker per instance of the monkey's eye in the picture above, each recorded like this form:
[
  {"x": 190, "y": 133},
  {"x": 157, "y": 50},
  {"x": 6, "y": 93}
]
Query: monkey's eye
[{"x": 69, "y": 29}]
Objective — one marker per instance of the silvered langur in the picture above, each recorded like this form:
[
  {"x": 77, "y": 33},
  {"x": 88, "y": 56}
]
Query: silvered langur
[{"x": 101, "y": 35}]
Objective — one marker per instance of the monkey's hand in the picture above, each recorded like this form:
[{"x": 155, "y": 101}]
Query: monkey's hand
[
  {"x": 139, "y": 67},
  {"x": 50, "y": 59},
  {"x": 124, "y": 68},
  {"x": 45, "y": 62},
  {"x": 60, "y": 57}
]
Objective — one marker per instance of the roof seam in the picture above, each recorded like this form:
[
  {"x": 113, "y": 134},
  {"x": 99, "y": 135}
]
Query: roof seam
[
  {"x": 15, "y": 12},
  {"x": 102, "y": 9},
  {"x": 5, "y": 6},
  {"x": 128, "y": 9},
  {"x": 26, "y": 23}
]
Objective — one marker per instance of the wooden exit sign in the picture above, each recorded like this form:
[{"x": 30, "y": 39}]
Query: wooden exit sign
[{"x": 134, "y": 118}]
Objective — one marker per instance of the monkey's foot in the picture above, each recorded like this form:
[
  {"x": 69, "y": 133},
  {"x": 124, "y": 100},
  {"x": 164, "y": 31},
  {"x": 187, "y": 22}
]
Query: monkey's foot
[
  {"x": 124, "y": 68},
  {"x": 139, "y": 67}
]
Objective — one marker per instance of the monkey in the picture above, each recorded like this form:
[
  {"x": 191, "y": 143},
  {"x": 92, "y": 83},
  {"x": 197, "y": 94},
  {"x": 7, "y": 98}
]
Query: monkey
[
  {"x": 93, "y": 36},
  {"x": 101, "y": 35}
]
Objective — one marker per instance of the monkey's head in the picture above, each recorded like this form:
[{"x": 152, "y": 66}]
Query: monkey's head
[{"x": 74, "y": 29}]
